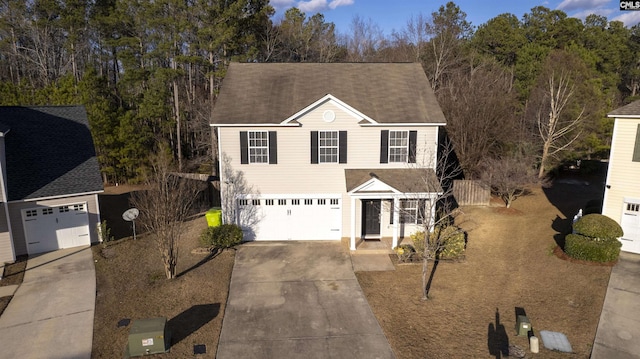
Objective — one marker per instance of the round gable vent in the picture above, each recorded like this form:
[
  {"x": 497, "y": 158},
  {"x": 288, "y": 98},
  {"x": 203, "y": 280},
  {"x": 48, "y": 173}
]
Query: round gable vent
[{"x": 329, "y": 116}]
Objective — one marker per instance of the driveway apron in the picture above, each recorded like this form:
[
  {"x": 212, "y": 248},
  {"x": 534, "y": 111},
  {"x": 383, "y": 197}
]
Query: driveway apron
[
  {"x": 51, "y": 313},
  {"x": 298, "y": 300}
]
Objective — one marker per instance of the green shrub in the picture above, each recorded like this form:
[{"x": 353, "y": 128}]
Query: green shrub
[
  {"x": 452, "y": 240},
  {"x": 585, "y": 248},
  {"x": 598, "y": 227},
  {"x": 223, "y": 236}
]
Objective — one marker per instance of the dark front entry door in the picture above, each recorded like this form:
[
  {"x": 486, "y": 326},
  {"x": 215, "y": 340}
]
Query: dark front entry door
[{"x": 371, "y": 217}]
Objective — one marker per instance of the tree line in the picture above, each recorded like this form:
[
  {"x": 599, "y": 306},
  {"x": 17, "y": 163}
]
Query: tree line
[{"x": 524, "y": 92}]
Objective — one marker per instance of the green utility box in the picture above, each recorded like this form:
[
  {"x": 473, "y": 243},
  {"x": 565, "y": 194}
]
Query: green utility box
[
  {"x": 214, "y": 217},
  {"x": 523, "y": 325},
  {"x": 148, "y": 336}
]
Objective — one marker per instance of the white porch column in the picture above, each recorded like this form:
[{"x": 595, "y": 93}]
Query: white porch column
[
  {"x": 396, "y": 222},
  {"x": 353, "y": 224}
]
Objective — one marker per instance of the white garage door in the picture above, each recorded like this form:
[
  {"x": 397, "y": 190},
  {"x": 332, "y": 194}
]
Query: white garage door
[
  {"x": 630, "y": 223},
  {"x": 50, "y": 228},
  {"x": 291, "y": 218}
]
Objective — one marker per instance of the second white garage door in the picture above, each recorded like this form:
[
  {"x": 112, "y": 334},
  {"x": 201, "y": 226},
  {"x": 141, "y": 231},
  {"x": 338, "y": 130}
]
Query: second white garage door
[
  {"x": 291, "y": 218},
  {"x": 51, "y": 228}
]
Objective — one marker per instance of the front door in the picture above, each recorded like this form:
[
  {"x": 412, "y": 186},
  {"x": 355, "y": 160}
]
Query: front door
[{"x": 371, "y": 218}]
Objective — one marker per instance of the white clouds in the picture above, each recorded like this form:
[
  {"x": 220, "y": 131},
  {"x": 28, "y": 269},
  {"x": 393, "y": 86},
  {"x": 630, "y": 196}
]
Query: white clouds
[
  {"x": 629, "y": 18},
  {"x": 310, "y": 6},
  {"x": 584, "y": 5},
  {"x": 335, "y": 3}
]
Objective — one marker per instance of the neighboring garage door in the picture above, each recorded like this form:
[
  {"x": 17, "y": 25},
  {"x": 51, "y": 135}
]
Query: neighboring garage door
[
  {"x": 630, "y": 224},
  {"x": 50, "y": 228},
  {"x": 292, "y": 218}
]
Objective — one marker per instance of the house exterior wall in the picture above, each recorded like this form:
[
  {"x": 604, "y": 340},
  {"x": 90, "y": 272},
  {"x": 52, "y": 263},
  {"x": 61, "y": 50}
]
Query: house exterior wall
[
  {"x": 6, "y": 248},
  {"x": 15, "y": 215},
  {"x": 623, "y": 175},
  {"x": 295, "y": 174}
]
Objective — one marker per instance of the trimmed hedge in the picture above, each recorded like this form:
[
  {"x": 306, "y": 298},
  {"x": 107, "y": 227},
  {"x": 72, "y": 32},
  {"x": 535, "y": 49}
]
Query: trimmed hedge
[
  {"x": 223, "y": 236},
  {"x": 581, "y": 247},
  {"x": 598, "y": 227}
]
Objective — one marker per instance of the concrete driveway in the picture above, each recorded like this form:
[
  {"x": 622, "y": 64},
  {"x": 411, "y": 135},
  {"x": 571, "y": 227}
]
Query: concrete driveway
[
  {"x": 51, "y": 313},
  {"x": 298, "y": 300}
]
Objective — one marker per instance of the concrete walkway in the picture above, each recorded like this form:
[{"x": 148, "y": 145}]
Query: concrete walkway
[
  {"x": 618, "y": 335},
  {"x": 298, "y": 300},
  {"x": 51, "y": 313}
]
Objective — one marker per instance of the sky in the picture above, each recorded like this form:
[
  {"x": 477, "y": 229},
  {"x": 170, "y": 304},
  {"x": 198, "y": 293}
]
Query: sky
[{"x": 393, "y": 15}]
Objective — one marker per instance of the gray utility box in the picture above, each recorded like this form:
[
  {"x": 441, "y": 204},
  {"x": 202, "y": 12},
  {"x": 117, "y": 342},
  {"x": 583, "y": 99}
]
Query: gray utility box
[
  {"x": 148, "y": 336},
  {"x": 523, "y": 325}
]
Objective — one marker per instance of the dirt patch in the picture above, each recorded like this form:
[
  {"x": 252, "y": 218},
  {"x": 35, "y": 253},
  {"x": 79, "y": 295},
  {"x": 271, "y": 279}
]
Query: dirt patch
[
  {"x": 131, "y": 285},
  {"x": 510, "y": 268},
  {"x": 13, "y": 275}
]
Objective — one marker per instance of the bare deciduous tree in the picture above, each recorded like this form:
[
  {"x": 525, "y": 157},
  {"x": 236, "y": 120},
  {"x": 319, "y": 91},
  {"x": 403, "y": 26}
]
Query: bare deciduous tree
[
  {"x": 164, "y": 206},
  {"x": 480, "y": 105},
  {"x": 438, "y": 205},
  {"x": 508, "y": 177},
  {"x": 556, "y": 131}
]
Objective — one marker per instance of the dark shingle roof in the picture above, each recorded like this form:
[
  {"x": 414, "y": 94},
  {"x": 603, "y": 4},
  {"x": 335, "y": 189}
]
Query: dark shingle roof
[
  {"x": 272, "y": 92},
  {"x": 49, "y": 152},
  {"x": 407, "y": 180},
  {"x": 632, "y": 109}
]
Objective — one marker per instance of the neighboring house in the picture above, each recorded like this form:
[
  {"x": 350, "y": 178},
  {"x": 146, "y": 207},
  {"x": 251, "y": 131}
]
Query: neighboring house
[
  {"x": 49, "y": 180},
  {"x": 622, "y": 190},
  {"x": 324, "y": 151}
]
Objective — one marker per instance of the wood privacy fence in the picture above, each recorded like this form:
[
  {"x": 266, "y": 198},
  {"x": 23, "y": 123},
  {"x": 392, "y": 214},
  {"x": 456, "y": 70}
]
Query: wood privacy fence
[{"x": 471, "y": 193}]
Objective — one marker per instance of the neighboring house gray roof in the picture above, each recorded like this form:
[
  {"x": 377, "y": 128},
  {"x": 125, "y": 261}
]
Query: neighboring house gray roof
[
  {"x": 407, "y": 180},
  {"x": 269, "y": 93},
  {"x": 49, "y": 152},
  {"x": 632, "y": 109}
]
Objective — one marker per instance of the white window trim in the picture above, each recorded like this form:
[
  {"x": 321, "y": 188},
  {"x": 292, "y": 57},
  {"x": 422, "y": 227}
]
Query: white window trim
[
  {"x": 322, "y": 157},
  {"x": 405, "y": 147},
  {"x": 251, "y": 157},
  {"x": 411, "y": 215}
]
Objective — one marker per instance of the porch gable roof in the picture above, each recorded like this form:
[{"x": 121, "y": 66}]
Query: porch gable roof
[{"x": 402, "y": 180}]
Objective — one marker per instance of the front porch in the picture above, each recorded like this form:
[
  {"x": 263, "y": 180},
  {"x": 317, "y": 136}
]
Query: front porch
[{"x": 375, "y": 246}]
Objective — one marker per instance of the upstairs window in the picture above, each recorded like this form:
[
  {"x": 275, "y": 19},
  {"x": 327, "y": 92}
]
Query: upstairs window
[
  {"x": 328, "y": 147},
  {"x": 398, "y": 146},
  {"x": 258, "y": 147}
]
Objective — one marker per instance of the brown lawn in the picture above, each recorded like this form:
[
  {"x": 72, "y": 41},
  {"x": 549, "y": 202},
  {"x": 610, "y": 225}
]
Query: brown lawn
[
  {"x": 509, "y": 266},
  {"x": 131, "y": 285}
]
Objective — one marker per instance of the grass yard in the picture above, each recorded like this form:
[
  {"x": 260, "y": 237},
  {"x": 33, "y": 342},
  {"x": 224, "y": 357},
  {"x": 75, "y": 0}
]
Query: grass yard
[
  {"x": 131, "y": 285},
  {"x": 510, "y": 267}
]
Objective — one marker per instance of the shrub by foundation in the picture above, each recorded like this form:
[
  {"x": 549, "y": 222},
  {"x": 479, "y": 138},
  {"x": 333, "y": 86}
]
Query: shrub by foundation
[
  {"x": 598, "y": 227},
  {"x": 223, "y": 236},
  {"x": 585, "y": 248}
]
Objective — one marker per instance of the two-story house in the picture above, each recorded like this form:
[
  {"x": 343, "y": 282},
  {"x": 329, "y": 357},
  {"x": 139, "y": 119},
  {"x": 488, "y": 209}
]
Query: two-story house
[
  {"x": 622, "y": 190},
  {"x": 324, "y": 151}
]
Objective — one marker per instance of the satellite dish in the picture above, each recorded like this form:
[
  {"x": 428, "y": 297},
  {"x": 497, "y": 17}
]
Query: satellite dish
[{"x": 130, "y": 215}]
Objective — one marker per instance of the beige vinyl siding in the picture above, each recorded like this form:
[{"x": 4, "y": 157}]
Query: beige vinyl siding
[
  {"x": 6, "y": 250},
  {"x": 294, "y": 173},
  {"x": 623, "y": 175},
  {"x": 15, "y": 214}
]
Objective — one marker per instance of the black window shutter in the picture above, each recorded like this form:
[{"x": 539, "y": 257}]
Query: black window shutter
[
  {"x": 244, "y": 148},
  {"x": 413, "y": 138},
  {"x": 314, "y": 146},
  {"x": 273, "y": 147},
  {"x": 636, "y": 149},
  {"x": 384, "y": 146},
  {"x": 342, "y": 142}
]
